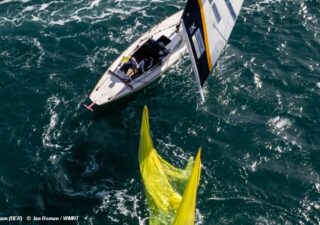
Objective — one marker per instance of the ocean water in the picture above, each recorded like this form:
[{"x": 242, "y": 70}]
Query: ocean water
[{"x": 259, "y": 126}]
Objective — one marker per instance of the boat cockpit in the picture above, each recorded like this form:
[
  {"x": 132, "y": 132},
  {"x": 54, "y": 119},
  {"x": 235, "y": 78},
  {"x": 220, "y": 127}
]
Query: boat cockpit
[{"x": 145, "y": 58}]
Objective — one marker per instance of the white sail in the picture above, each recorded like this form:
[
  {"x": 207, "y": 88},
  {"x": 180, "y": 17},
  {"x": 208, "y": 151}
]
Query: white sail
[{"x": 207, "y": 25}]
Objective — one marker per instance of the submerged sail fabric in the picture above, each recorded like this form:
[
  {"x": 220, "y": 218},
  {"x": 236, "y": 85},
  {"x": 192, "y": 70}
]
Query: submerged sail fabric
[
  {"x": 207, "y": 27},
  {"x": 163, "y": 182}
]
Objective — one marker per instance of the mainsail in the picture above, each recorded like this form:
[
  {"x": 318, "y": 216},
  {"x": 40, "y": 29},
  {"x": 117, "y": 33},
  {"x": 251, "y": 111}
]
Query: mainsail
[{"x": 207, "y": 25}]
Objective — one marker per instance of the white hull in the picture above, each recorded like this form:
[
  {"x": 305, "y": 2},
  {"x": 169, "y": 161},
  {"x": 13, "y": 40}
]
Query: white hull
[{"x": 111, "y": 87}]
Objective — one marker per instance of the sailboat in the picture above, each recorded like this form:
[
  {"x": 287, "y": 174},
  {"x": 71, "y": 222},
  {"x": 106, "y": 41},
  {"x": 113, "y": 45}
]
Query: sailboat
[{"x": 202, "y": 29}]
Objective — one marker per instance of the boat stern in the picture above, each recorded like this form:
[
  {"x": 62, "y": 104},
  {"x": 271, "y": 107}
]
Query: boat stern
[{"x": 108, "y": 89}]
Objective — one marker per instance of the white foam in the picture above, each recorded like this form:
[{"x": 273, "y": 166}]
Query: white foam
[
  {"x": 92, "y": 5},
  {"x": 279, "y": 149},
  {"x": 279, "y": 123},
  {"x": 53, "y": 159},
  {"x": 41, "y": 50},
  {"x": 76, "y": 18},
  {"x": 28, "y": 9},
  {"x": 259, "y": 6},
  {"x": 254, "y": 166},
  {"x": 233, "y": 112},
  {"x": 279, "y": 97},
  {"x": 62, "y": 22},
  {"x": 119, "y": 11},
  {"x": 257, "y": 81},
  {"x": 58, "y": 22},
  {"x": 95, "y": 3},
  {"x": 121, "y": 202},
  {"x": 199, "y": 218},
  {"x": 35, "y": 18},
  {"x": 318, "y": 84},
  {"x": 10, "y": 1},
  {"x": 51, "y": 133},
  {"x": 99, "y": 18},
  {"x": 44, "y": 6},
  {"x": 308, "y": 207}
]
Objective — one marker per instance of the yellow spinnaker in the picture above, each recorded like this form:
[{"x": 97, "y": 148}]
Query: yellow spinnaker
[
  {"x": 163, "y": 182},
  {"x": 186, "y": 211}
]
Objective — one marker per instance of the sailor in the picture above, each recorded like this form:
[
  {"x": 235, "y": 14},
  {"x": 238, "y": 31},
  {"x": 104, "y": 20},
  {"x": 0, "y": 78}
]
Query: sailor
[
  {"x": 163, "y": 54},
  {"x": 156, "y": 45},
  {"x": 130, "y": 68},
  {"x": 158, "y": 50},
  {"x": 130, "y": 64},
  {"x": 144, "y": 65}
]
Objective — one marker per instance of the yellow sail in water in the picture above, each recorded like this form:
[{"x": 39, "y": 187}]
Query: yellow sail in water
[
  {"x": 186, "y": 211},
  {"x": 163, "y": 182}
]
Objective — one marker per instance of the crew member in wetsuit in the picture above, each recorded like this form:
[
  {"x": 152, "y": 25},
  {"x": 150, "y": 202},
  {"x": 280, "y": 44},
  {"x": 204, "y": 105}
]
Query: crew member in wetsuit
[
  {"x": 132, "y": 63},
  {"x": 157, "y": 50},
  {"x": 144, "y": 65}
]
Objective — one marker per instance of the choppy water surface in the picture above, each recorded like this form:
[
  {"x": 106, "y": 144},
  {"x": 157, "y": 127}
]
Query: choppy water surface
[{"x": 259, "y": 127}]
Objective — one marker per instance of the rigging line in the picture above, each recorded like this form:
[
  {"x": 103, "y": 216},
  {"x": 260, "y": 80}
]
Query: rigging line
[
  {"x": 198, "y": 116},
  {"x": 174, "y": 25}
]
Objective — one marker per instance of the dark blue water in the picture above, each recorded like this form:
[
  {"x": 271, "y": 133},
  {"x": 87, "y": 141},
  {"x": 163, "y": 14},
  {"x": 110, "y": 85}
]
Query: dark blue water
[{"x": 259, "y": 127}]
